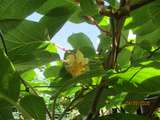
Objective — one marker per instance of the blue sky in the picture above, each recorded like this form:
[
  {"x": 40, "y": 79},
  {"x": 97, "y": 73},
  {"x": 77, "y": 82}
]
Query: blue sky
[{"x": 68, "y": 29}]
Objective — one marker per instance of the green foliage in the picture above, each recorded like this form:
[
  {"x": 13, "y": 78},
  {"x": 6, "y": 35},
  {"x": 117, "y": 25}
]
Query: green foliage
[
  {"x": 82, "y": 42},
  {"x": 17, "y": 9},
  {"x": 10, "y": 82},
  {"x": 123, "y": 117},
  {"x": 89, "y": 7},
  {"x": 34, "y": 82},
  {"x": 59, "y": 14},
  {"x": 35, "y": 106}
]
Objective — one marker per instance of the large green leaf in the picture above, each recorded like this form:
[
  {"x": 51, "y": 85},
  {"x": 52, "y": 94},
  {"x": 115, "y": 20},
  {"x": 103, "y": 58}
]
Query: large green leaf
[
  {"x": 151, "y": 38},
  {"x": 57, "y": 15},
  {"x": 124, "y": 56},
  {"x": 138, "y": 54},
  {"x": 82, "y": 42},
  {"x": 77, "y": 17},
  {"x": 89, "y": 7},
  {"x": 138, "y": 17},
  {"x": 18, "y": 9},
  {"x": 27, "y": 45},
  {"x": 50, "y": 4},
  {"x": 149, "y": 16},
  {"x": 52, "y": 71},
  {"x": 35, "y": 106},
  {"x": 143, "y": 29},
  {"x": 6, "y": 25},
  {"x": 144, "y": 79},
  {"x": 28, "y": 75},
  {"x": 9, "y": 81},
  {"x": 6, "y": 115}
]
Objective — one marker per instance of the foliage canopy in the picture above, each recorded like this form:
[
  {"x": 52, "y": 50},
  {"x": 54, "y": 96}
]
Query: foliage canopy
[{"x": 119, "y": 80}]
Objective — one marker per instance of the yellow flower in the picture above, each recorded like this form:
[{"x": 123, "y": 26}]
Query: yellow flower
[{"x": 76, "y": 64}]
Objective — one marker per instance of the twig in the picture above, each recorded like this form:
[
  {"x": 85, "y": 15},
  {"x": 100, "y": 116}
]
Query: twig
[
  {"x": 61, "y": 48},
  {"x": 117, "y": 25},
  {"x": 96, "y": 100},
  {"x": 100, "y": 4},
  {"x": 93, "y": 21},
  {"x": 102, "y": 8},
  {"x": 25, "y": 85},
  {"x": 53, "y": 107},
  {"x": 153, "y": 52},
  {"x": 3, "y": 42}
]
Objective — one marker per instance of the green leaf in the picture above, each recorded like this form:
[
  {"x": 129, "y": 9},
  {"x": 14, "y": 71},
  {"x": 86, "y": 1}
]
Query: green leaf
[
  {"x": 105, "y": 43},
  {"x": 59, "y": 15},
  {"x": 124, "y": 56},
  {"x": 82, "y": 42},
  {"x": 28, "y": 75},
  {"x": 27, "y": 46},
  {"x": 151, "y": 38},
  {"x": 78, "y": 40},
  {"x": 143, "y": 29},
  {"x": 9, "y": 24},
  {"x": 89, "y": 7},
  {"x": 6, "y": 115},
  {"x": 138, "y": 17},
  {"x": 149, "y": 19},
  {"x": 155, "y": 12},
  {"x": 35, "y": 106},
  {"x": 77, "y": 17},
  {"x": 143, "y": 79},
  {"x": 50, "y": 4},
  {"x": 138, "y": 54},
  {"x": 18, "y": 9},
  {"x": 66, "y": 82},
  {"x": 9, "y": 81},
  {"x": 114, "y": 99},
  {"x": 52, "y": 72},
  {"x": 85, "y": 105}
]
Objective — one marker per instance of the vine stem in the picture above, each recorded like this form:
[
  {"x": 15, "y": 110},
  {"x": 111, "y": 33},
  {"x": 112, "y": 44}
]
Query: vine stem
[
  {"x": 111, "y": 63},
  {"x": 61, "y": 48},
  {"x": 96, "y": 100},
  {"x": 117, "y": 21},
  {"x": 116, "y": 25},
  {"x": 3, "y": 42}
]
